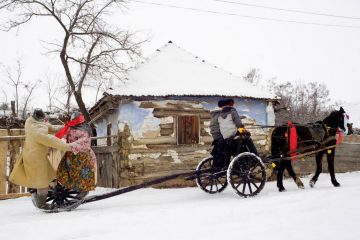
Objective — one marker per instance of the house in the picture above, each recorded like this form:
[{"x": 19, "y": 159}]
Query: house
[{"x": 163, "y": 111}]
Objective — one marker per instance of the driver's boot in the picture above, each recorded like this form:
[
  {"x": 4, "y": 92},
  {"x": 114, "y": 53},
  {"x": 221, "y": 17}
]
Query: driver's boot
[
  {"x": 82, "y": 195},
  {"x": 39, "y": 199}
]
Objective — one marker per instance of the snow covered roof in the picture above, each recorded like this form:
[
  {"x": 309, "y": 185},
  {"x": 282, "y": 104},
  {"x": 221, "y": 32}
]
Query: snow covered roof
[{"x": 172, "y": 70}]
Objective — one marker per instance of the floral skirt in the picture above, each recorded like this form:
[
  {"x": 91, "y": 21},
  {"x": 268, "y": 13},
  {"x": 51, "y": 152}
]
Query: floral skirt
[{"x": 77, "y": 172}]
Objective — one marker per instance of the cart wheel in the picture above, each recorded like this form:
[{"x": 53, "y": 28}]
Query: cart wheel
[
  {"x": 60, "y": 199},
  {"x": 246, "y": 174},
  {"x": 209, "y": 180}
]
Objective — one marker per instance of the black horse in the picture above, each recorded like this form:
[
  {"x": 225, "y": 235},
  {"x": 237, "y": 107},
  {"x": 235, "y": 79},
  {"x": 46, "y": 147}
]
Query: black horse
[{"x": 309, "y": 137}]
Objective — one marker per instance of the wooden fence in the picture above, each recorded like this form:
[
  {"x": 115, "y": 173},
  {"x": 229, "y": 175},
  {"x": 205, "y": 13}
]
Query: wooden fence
[
  {"x": 10, "y": 149},
  {"x": 347, "y": 158}
]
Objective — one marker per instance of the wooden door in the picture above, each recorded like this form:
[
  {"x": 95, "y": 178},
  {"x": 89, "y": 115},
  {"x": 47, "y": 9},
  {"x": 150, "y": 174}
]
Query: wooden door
[{"x": 188, "y": 129}]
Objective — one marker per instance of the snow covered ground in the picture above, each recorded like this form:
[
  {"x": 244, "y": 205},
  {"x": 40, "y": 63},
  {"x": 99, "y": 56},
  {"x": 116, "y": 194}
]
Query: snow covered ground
[{"x": 321, "y": 213}]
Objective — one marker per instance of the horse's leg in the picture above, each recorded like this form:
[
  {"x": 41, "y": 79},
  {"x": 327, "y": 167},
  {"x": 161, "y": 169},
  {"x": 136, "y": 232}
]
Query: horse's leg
[
  {"x": 318, "y": 168},
  {"x": 292, "y": 174},
  {"x": 330, "y": 159},
  {"x": 280, "y": 175}
]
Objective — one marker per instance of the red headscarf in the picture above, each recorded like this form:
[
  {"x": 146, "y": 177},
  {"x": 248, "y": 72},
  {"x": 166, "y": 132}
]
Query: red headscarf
[
  {"x": 76, "y": 121},
  {"x": 292, "y": 140}
]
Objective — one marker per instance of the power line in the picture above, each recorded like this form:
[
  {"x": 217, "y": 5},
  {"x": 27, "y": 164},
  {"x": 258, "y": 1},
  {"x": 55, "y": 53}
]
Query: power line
[
  {"x": 246, "y": 16},
  {"x": 288, "y": 10}
]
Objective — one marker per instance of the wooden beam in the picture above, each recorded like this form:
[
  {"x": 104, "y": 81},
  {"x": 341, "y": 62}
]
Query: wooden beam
[
  {"x": 22, "y": 137},
  {"x": 13, "y": 195},
  {"x": 105, "y": 149},
  {"x": 158, "y": 140},
  {"x": 11, "y": 138}
]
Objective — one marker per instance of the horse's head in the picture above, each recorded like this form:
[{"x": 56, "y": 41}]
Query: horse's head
[{"x": 339, "y": 119}]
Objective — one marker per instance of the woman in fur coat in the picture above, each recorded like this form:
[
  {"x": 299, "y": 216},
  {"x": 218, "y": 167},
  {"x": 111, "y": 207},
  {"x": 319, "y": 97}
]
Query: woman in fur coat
[{"x": 77, "y": 169}]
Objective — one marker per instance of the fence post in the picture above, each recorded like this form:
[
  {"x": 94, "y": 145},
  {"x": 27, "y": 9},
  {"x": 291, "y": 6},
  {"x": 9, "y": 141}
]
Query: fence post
[
  {"x": 3, "y": 160},
  {"x": 14, "y": 150}
]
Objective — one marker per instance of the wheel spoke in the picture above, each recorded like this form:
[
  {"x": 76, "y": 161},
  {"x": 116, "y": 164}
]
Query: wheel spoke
[
  {"x": 239, "y": 184},
  {"x": 217, "y": 188},
  {"x": 72, "y": 197},
  {"x": 250, "y": 187},
  {"x": 207, "y": 183},
  {"x": 243, "y": 190},
  {"x": 254, "y": 184},
  {"x": 50, "y": 199}
]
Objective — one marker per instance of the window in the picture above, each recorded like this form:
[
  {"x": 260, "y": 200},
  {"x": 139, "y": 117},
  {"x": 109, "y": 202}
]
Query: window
[{"x": 188, "y": 129}]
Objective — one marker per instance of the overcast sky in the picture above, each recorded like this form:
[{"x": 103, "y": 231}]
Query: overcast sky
[{"x": 236, "y": 38}]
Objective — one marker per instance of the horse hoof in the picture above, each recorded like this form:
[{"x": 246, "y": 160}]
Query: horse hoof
[
  {"x": 312, "y": 183},
  {"x": 299, "y": 183},
  {"x": 282, "y": 189},
  {"x": 335, "y": 183}
]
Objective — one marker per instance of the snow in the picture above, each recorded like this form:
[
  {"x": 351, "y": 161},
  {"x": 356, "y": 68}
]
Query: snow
[
  {"x": 172, "y": 70},
  {"x": 323, "y": 212}
]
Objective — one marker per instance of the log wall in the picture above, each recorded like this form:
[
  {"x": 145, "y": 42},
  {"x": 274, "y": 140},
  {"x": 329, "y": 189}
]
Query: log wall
[{"x": 159, "y": 153}]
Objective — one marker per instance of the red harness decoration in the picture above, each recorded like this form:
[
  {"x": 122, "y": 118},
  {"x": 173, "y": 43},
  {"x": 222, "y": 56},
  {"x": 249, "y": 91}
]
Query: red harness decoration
[
  {"x": 76, "y": 121},
  {"x": 292, "y": 140},
  {"x": 339, "y": 139}
]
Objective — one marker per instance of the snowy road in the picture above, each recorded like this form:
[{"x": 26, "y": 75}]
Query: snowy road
[{"x": 321, "y": 213}]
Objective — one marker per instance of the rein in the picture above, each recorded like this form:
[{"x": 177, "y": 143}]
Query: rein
[{"x": 255, "y": 126}]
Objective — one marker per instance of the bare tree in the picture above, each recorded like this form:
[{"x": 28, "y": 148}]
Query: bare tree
[
  {"x": 64, "y": 104},
  {"x": 52, "y": 89},
  {"x": 300, "y": 102},
  {"x": 102, "y": 85},
  {"x": 29, "y": 87},
  {"x": 14, "y": 75},
  {"x": 90, "y": 49},
  {"x": 4, "y": 106}
]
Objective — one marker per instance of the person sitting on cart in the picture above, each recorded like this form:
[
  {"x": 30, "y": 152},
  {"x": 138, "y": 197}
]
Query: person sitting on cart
[
  {"x": 77, "y": 169},
  {"x": 33, "y": 169},
  {"x": 236, "y": 138}
]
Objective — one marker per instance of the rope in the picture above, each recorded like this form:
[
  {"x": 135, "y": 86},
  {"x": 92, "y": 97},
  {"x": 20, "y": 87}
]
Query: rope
[{"x": 277, "y": 126}]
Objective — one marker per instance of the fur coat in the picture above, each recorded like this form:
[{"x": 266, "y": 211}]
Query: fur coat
[{"x": 32, "y": 168}]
